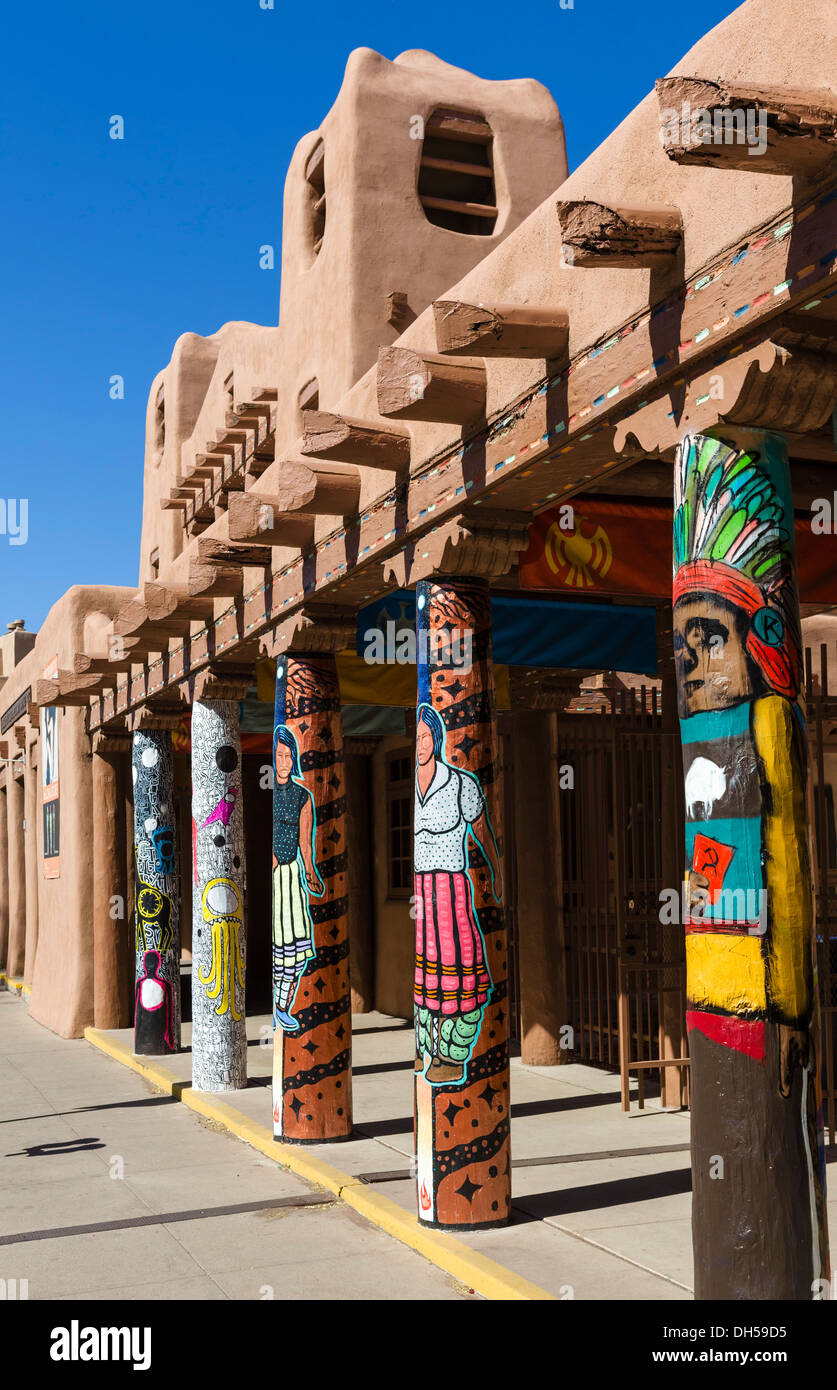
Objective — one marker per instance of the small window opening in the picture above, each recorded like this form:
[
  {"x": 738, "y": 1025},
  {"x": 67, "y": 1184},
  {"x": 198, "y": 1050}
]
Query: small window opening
[
  {"x": 315, "y": 179},
  {"x": 159, "y": 425},
  {"x": 456, "y": 175}
]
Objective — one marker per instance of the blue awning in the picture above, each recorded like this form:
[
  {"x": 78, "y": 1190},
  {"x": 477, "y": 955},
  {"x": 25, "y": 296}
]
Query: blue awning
[{"x": 542, "y": 632}]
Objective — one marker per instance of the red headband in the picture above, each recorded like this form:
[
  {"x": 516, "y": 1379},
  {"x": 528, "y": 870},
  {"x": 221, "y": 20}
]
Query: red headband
[{"x": 779, "y": 664}]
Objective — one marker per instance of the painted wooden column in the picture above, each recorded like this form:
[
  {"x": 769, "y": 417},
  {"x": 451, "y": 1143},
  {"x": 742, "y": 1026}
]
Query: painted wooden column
[
  {"x": 463, "y": 1160},
  {"x": 156, "y": 896},
  {"x": 32, "y": 859},
  {"x": 219, "y": 1038},
  {"x": 757, "y": 1146},
  {"x": 4, "y": 877},
  {"x": 17, "y": 877},
  {"x": 113, "y": 949},
  {"x": 312, "y": 1066}
]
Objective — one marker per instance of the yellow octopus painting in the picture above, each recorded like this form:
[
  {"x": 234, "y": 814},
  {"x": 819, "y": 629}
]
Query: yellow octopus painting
[{"x": 221, "y": 904}]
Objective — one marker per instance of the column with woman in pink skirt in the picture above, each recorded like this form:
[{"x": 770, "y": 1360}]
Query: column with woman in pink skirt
[{"x": 452, "y": 982}]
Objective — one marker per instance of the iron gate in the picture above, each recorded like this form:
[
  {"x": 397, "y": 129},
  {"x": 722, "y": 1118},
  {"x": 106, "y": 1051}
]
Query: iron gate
[{"x": 622, "y": 834}]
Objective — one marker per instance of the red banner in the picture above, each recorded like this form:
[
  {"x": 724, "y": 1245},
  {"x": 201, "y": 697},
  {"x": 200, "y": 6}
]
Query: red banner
[{"x": 592, "y": 546}]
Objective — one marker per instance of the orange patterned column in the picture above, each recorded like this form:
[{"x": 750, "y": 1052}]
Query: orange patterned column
[
  {"x": 312, "y": 1059},
  {"x": 460, "y": 991}
]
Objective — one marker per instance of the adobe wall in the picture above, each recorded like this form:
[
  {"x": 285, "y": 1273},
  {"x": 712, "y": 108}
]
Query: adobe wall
[
  {"x": 759, "y": 43},
  {"x": 333, "y": 305},
  {"x": 62, "y": 974},
  {"x": 377, "y": 237}
]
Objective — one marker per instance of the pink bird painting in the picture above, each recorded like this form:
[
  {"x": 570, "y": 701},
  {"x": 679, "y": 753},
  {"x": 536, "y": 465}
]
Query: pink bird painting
[{"x": 223, "y": 810}]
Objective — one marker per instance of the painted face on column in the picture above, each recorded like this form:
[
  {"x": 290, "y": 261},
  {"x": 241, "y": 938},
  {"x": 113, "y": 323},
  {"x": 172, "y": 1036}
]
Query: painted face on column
[
  {"x": 283, "y": 763},
  {"x": 424, "y": 744},
  {"x": 713, "y": 669}
]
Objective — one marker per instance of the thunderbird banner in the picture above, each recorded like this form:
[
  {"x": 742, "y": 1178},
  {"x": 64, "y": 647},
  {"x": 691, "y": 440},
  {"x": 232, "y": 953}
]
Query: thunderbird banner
[{"x": 592, "y": 546}]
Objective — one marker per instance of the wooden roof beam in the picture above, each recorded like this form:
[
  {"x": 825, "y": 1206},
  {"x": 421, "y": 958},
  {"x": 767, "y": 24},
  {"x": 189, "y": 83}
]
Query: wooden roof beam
[
  {"x": 736, "y": 125},
  {"x": 245, "y": 410},
  {"x": 85, "y": 664},
  {"x": 70, "y": 684},
  {"x": 322, "y": 489},
  {"x": 163, "y": 601},
  {"x": 221, "y": 552},
  {"x": 257, "y": 517},
  {"x": 50, "y": 692},
  {"x": 203, "y": 470},
  {"x": 500, "y": 330},
  {"x": 133, "y": 620},
  {"x": 212, "y": 580},
  {"x": 217, "y": 569},
  {"x": 256, "y": 464},
  {"x": 329, "y": 436},
  {"x": 423, "y": 386},
  {"x": 594, "y": 234}
]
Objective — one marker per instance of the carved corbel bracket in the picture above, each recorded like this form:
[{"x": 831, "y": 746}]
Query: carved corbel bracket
[
  {"x": 219, "y": 682},
  {"x": 771, "y": 387},
  {"x": 482, "y": 543},
  {"x": 313, "y": 627}
]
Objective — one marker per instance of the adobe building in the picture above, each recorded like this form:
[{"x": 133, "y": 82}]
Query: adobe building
[{"x": 467, "y": 428}]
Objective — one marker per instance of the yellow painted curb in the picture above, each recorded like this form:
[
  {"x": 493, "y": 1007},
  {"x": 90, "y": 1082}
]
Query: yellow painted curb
[
  {"x": 17, "y": 985},
  {"x": 477, "y": 1272}
]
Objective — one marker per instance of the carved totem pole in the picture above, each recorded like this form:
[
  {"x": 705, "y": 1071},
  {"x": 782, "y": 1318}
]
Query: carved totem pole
[{"x": 757, "y": 1155}]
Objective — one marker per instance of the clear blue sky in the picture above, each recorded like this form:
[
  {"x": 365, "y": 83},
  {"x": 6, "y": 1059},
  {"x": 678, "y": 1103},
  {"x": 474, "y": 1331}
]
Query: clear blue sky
[{"x": 111, "y": 249}]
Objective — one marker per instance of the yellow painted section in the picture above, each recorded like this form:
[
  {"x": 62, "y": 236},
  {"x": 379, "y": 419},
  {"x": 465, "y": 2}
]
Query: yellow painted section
[
  {"x": 475, "y": 1271},
  {"x": 740, "y": 974},
  {"x": 789, "y": 904},
  {"x": 17, "y": 985},
  {"x": 725, "y": 972},
  {"x": 364, "y": 684}
]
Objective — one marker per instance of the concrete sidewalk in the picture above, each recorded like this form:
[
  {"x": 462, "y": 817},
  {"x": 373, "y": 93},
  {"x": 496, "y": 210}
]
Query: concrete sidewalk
[
  {"x": 109, "y": 1189},
  {"x": 601, "y": 1199}
]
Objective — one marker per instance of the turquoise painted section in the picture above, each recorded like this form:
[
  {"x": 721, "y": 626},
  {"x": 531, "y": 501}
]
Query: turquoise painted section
[{"x": 726, "y": 723}]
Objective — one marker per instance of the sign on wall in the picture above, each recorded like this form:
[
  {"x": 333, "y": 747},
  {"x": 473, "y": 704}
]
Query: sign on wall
[{"x": 49, "y": 780}]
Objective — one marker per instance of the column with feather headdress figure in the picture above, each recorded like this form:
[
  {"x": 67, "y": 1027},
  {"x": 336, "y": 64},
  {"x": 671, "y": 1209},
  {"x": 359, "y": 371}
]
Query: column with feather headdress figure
[{"x": 758, "y": 1172}]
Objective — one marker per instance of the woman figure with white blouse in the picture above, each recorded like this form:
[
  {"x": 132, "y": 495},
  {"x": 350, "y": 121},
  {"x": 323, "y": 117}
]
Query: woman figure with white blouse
[{"x": 452, "y": 982}]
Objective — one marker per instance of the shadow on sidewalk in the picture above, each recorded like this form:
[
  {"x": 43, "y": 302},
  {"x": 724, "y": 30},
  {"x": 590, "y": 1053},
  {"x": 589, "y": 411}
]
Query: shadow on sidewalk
[{"x": 597, "y": 1196}]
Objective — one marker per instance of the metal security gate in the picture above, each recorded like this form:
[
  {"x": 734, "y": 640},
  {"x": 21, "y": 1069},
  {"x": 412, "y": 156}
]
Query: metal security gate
[
  {"x": 821, "y": 708},
  {"x": 619, "y": 830},
  {"x": 622, "y": 832}
]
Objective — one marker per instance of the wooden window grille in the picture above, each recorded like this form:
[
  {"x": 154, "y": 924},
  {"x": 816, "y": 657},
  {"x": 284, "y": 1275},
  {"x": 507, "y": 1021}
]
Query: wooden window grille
[
  {"x": 456, "y": 175},
  {"x": 399, "y": 824},
  {"x": 315, "y": 179},
  {"x": 160, "y": 424}
]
